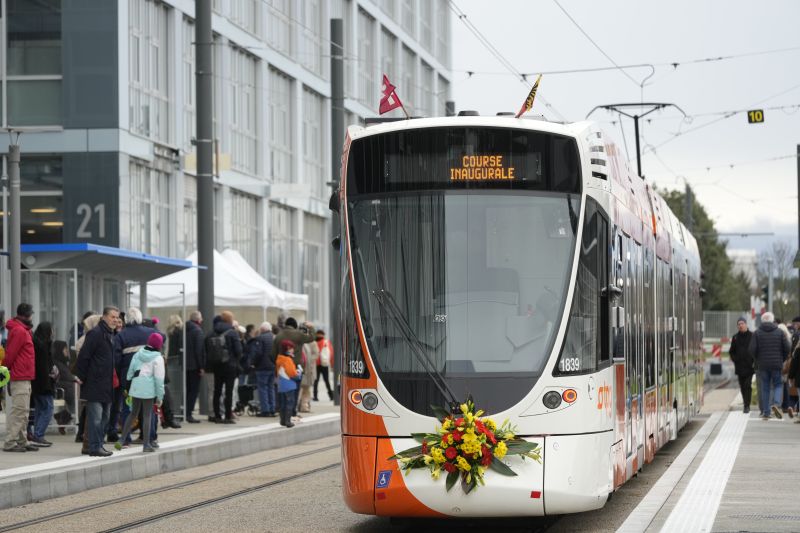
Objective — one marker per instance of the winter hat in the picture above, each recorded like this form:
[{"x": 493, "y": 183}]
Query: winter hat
[
  {"x": 155, "y": 341},
  {"x": 742, "y": 319},
  {"x": 286, "y": 346}
]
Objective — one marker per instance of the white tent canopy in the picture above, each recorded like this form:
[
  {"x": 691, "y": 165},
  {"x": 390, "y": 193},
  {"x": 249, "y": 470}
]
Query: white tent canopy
[{"x": 236, "y": 284}]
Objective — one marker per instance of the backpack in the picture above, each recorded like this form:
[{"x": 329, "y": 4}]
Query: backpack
[{"x": 217, "y": 350}]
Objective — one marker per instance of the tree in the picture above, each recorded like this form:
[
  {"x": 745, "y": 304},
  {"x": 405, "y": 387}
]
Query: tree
[
  {"x": 784, "y": 278},
  {"x": 724, "y": 290}
]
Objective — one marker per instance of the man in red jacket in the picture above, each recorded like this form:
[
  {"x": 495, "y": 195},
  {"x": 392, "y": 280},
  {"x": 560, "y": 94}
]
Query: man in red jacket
[{"x": 21, "y": 362}]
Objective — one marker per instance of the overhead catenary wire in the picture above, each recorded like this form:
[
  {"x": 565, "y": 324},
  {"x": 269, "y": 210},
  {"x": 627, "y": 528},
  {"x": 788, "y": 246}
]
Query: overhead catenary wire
[
  {"x": 498, "y": 55},
  {"x": 673, "y": 64},
  {"x": 575, "y": 22}
]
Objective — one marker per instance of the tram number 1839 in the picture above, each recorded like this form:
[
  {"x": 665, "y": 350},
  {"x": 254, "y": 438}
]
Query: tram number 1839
[{"x": 569, "y": 364}]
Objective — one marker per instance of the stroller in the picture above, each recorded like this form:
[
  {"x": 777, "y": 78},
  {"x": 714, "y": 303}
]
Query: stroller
[{"x": 246, "y": 402}]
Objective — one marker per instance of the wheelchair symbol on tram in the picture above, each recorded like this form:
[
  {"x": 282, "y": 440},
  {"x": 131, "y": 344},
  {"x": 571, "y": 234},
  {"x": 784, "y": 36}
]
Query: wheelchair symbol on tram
[{"x": 383, "y": 479}]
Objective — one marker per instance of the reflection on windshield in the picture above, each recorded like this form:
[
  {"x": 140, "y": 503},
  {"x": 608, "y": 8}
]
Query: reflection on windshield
[{"x": 480, "y": 279}]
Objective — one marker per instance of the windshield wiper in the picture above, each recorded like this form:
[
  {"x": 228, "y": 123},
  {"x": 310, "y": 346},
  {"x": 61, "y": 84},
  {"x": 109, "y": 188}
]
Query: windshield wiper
[{"x": 386, "y": 301}]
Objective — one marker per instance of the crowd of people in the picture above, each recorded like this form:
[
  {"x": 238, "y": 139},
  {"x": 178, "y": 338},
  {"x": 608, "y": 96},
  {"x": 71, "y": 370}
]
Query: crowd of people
[
  {"x": 771, "y": 353},
  {"x": 119, "y": 360}
]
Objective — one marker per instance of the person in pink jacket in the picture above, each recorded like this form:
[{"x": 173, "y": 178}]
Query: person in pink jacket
[{"x": 21, "y": 362}]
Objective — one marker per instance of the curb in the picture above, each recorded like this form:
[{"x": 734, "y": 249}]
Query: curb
[{"x": 70, "y": 476}]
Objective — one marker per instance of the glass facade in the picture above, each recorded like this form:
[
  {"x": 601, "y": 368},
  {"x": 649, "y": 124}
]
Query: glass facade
[
  {"x": 313, "y": 141},
  {"x": 245, "y": 228},
  {"x": 243, "y": 111},
  {"x": 149, "y": 100},
  {"x": 282, "y": 237},
  {"x": 33, "y": 62},
  {"x": 281, "y": 130},
  {"x": 151, "y": 209}
]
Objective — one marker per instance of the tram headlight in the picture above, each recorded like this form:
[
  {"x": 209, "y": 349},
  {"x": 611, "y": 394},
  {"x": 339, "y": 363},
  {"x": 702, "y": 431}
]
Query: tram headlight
[
  {"x": 570, "y": 395},
  {"x": 552, "y": 399},
  {"x": 370, "y": 401}
]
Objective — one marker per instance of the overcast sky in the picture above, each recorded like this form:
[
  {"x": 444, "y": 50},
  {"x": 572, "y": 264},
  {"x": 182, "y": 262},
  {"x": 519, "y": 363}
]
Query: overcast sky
[{"x": 754, "y": 195}]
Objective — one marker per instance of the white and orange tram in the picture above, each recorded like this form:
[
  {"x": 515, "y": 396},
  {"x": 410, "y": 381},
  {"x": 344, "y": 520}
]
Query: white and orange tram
[{"x": 522, "y": 263}]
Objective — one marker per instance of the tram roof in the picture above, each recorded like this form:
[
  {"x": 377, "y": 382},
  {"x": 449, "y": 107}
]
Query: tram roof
[{"x": 530, "y": 123}]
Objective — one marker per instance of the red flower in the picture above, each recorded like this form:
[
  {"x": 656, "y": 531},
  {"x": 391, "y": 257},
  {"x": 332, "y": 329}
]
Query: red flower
[
  {"x": 450, "y": 467},
  {"x": 479, "y": 426},
  {"x": 451, "y": 453},
  {"x": 445, "y": 443},
  {"x": 460, "y": 422},
  {"x": 457, "y": 436},
  {"x": 487, "y": 457},
  {"x": 424, "y": 448},
  {"x": 490, "y": 436}
]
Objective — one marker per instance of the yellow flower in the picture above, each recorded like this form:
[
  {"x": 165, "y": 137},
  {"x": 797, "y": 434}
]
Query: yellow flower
[
  {"x": 508, "y": 435},
  {"x": 469, "y": 436},
  {"x": 490, "y": 424},
  {"x": 437, "y": 455},
  {"x": 469, "y": 417},
  {"x": 479, "y": 413},
  {"x": 500, "y": 450},
  {"x": 450, "y": 439},
  {"x": 435, "y": 473},
  {"x": 447, "y": 424},
  {"x": 462, "y": 464},
  {"x": 428, "y": 459},
  {"x": 464, "y": 408}
]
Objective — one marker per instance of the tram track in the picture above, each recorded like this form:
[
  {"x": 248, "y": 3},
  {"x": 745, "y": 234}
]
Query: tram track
[
  {"x": 183, "y": 484},
  {"x": 213, "y": 501}
]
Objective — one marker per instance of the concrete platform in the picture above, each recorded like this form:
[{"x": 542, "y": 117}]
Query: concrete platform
[
  {"x": 61, "y": 469},
  {"x": 739, "y": 475}
]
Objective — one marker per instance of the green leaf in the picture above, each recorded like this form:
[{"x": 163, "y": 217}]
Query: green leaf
[
  {"x": 519, "y": 447},
  {"x": 422, "y": 437},
  {"x": 411, "y": 452},
  {"x": 501, "y": 468},
  {"x": 467, "y": 487},
  {"x": 452, "y": 477},
  {"x": 440, "y": 412}
]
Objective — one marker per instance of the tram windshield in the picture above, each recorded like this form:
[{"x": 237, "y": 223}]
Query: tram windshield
[{"x": 462, "y": 242}]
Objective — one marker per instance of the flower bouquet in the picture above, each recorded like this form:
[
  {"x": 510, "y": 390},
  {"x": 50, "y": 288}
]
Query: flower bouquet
[{"x": 464, "y": 447}]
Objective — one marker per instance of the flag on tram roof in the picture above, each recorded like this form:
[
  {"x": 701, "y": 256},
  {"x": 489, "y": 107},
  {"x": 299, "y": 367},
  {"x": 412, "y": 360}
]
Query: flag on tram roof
[
  {"x": 389, "y": 100},
  {"x": 528, "y": 103}
]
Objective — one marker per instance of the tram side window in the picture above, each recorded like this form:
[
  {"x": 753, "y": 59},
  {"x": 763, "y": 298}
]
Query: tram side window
[
  {"x": 584, "y": 339},
  {"x": 649, "y": 344},
  {"x": 619, "y": 281}
]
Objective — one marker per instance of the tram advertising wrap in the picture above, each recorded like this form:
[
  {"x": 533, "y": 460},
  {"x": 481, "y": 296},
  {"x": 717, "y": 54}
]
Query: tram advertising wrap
[{"x": 499, "y": 259}]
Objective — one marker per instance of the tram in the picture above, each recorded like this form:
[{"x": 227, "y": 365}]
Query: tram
[{"x": 523, "y": 264}]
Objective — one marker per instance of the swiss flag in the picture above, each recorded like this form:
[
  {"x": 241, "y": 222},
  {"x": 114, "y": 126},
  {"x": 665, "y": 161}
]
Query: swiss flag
[{"x": 389, "y": 100}]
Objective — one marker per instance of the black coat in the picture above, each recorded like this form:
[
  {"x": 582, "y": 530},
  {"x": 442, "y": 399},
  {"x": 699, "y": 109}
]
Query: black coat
[
  {"x": 262, "y": 358},
  {"x": 740, "y": 353},
  {"x": 43, "y": 383},
  {"x": 95, "y": 367},
  {"x": 769, "y": 347},
  {"x": 195, "y": 347},
  {"x": 234, "y": 345}
]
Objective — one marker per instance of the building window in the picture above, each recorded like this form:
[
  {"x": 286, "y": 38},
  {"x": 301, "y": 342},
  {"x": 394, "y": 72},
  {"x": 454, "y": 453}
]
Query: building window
[
  {"x": 189, "y": 240},
  {"x": 279, "y": 36},
  {"x": 426, "y": 25},
  {"x": 313, "y": 142},
  {"x": 312, "y": 36},
  {"x": 442, "y": 32},
  {"x": 442, "y": 94},
  {"x": 245, "y": 14},
  {"x": 150, "y": 194},
  {"x": 245, "y": 229},
  {"x": 244, "y": 134},
  {"x": 189, "y": 85},
  {"x": 33, "y": 65},
  {"x": 281, "y": 135},
  {"x": 351, "y": 63},
  {"x": 387, "y": 6},
  {"x": 281, "y": 238},
  {"x": 149, "y": 84},
  {"x": 427, "y": 95},
  {"x": 409, "y": 80},
  {"x": 408, "y": 16},
  {"x": 388, "y": 52},
  {"x": 367, "y": 92},
  {"x": 41, "y": 201},
  {"x": 312, "y": 264}
]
